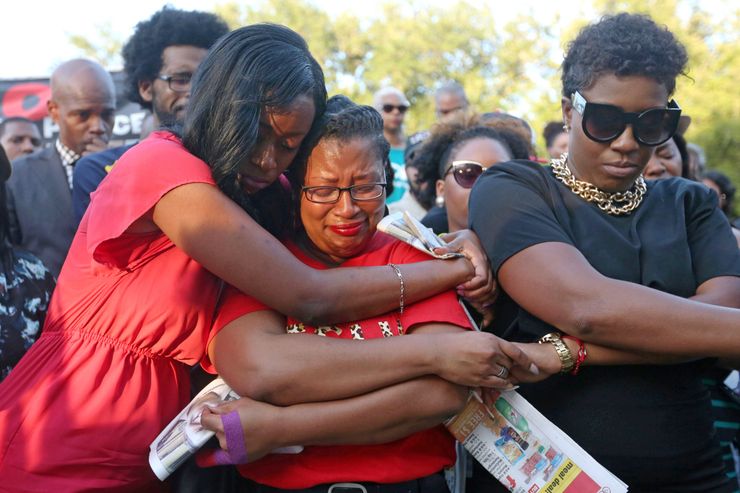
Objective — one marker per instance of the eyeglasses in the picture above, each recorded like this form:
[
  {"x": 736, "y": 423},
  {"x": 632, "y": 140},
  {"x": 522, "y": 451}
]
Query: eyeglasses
[
  {"x": 177, "y": 82},
  {"x": 604, "y": 122},
  {"x": 388, "y": 108},
  {"x": 465, "y": 173},
  {"x": 330, "y": 195}
]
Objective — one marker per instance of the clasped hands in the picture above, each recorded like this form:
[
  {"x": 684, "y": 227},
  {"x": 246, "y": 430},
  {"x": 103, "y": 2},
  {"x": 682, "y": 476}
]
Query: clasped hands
[{"x": 470, "y": 359}]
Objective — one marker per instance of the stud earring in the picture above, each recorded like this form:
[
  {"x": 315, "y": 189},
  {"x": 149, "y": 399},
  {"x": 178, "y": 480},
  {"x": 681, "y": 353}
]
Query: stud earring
[
  {"x": 439, "y": 201},
  {"x": 566, "y": 127}
]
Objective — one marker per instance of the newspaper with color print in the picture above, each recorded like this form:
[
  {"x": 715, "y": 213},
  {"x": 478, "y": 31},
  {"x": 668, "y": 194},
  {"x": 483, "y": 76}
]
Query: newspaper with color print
[{"x": 525, "y": 451}]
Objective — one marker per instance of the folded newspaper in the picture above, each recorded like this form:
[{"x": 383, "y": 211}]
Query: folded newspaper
[
  {"x": 184, "y": 435},
  {"x": 407, "y": 228},
  {"x": 525, "y": 451},
  {"x": 511, "y": 439}
]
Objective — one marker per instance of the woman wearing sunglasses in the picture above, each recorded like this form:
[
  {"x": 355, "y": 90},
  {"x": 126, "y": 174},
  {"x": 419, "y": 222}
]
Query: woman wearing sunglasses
[
  {"x": 392, "y": 105},
  {"x": 475, "y": 150},
  {"x": 618, "y": 279},
  {"x": 453, "y": 157}
]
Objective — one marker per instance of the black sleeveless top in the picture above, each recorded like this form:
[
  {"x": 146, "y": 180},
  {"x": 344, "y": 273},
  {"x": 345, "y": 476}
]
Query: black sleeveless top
[{"x": 650, "y": 425}]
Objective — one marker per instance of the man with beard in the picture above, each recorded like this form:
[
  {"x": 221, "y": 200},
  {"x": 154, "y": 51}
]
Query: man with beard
[{"x": 159, "y": 61}]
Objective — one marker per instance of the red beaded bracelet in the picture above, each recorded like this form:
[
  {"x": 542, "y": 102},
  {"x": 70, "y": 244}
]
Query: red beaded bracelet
[{"x": 582, "y": 353}]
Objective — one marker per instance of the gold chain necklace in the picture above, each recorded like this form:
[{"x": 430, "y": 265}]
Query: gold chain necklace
[{"x": 616, "y": 204}]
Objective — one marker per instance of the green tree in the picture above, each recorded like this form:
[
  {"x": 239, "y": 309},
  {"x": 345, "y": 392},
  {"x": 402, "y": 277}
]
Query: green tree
[
  {"x": 512, "y": 67},
  {"x": 105, "y": 49},
  {"x": 415, "y": 48},
  {"x": 309, "y": 21}
]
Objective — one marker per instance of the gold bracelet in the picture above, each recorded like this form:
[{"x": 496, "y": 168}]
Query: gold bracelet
[
  {"x": 397, "y": 270},
  {"x": 566, "y": 357}
]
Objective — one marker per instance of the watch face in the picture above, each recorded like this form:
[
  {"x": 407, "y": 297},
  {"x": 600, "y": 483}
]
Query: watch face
[{"x": 551, "y": 337}]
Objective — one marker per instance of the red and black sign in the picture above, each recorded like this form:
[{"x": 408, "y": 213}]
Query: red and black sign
[{"x": 28, "y": 97}]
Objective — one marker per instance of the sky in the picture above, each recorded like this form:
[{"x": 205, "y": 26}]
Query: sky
[{"x": 46, "y": 29}]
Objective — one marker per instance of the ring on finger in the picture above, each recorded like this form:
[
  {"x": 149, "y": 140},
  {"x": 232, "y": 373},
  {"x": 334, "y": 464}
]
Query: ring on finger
[{"x": 503, "y": 372}]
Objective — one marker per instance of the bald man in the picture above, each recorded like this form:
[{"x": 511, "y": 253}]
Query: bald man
[
  {"x": 40, "y": 189},
  {"x": 450, "y": 100}
]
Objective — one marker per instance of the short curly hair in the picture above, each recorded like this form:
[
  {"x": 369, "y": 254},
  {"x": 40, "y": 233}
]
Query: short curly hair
[
  {"x": 446, "y": 138},
  {"x": 142, "y": 54},
  {"x": 623, "y": 45}
]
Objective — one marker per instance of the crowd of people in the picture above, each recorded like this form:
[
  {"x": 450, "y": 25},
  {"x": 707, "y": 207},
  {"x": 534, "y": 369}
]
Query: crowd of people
[{"x": 239, "y": 238}]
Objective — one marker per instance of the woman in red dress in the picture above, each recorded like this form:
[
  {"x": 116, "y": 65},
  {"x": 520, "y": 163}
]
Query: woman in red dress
[{"x": 136, "y": 296}]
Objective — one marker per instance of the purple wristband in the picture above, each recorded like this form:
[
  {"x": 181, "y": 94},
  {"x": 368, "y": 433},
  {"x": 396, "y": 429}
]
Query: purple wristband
[{"x": 237, "y": 448}]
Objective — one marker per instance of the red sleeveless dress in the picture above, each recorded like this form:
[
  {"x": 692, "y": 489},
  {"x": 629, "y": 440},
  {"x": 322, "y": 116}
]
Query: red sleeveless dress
[{"x": 130, "y": 313}]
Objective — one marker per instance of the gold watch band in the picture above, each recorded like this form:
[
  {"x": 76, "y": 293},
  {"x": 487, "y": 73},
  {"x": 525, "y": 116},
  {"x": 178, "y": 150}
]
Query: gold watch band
[{"x": 566, "y": 357}]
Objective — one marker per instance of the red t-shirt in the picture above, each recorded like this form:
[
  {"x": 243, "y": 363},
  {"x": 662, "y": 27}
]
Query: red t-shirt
[{"x": 415, "y": 456}]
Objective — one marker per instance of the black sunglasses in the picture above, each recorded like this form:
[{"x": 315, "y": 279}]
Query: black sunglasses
[
  {"x": 465, "y": 173},
  {"x": 604, "y": 122},
  {"x": 388, "y": 108}
]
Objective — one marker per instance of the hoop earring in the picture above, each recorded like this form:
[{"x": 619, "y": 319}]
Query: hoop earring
[{"x": 439, "y": 201}]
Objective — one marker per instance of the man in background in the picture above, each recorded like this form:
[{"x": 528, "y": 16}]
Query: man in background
[
  {"x": 19, "y": 136},
  {"x": 392, "y": 105},
  {"x": 450, "y": 100},
  {"x": 410, "y": 201},
  {"x": 39, "y": 197},
  {"x": 159, "y": 61}
]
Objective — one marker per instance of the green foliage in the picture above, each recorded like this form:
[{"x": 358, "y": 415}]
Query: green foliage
[
  {"x": 303, "y": 17},
  {"x": 511, "y": 66},
  {"x": 415, "y": 48},
  {"x": 106, "y": 50}
]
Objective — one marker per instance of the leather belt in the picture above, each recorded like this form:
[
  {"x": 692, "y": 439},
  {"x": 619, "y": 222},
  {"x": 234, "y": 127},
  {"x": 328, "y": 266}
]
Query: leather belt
[{"x": 434, "y": 483}]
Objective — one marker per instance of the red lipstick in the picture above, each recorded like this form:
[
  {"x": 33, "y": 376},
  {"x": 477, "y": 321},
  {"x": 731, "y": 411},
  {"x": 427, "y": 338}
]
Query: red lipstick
[{"x": 347, "y": 229}]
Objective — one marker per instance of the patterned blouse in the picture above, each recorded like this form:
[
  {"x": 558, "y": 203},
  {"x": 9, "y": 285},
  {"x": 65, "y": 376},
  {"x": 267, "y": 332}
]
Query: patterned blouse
[{"x": 25, "y": 289}]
